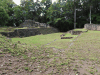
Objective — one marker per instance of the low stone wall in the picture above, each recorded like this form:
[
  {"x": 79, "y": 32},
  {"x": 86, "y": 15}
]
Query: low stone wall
[
  {"x": 29, "y": 32},
  {"x": 92, "y": 27},
  {"x": 76, "y": 32},
  {"x": 72, "y": 32},
  {"x": 21, "y": 33},
  {"x": 66, "y": 37}
]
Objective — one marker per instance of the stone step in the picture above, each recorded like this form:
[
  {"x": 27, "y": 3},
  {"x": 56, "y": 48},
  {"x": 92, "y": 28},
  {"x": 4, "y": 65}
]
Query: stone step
[{"x": 66, "y": 37}]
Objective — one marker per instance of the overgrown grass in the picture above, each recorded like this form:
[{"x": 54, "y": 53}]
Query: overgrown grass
[
  {"x": 80, "y": 29},
  {"x": 42, "y": 30},
  {"x": 7, "y": 29},
  {"x": 45, "y": 57},
  {"x": 86, "y": 49},
  {"x": 87, "y": 43},
  {"x": 2, "y": 29}
]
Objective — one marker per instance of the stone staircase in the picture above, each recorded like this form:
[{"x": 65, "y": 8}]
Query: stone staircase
[{"x": 72, "y": 32}]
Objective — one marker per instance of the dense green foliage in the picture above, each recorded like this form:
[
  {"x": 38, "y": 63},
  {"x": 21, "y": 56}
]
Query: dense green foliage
[
  {"x": 95, "y": 10},
  {"x": 3, "y": 16},
  {"x": 59, "y": 15}
]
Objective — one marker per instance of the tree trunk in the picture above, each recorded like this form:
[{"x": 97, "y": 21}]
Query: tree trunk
[
  {"x": 90, "y": 14},
  {"x": 74, "y": 14}
]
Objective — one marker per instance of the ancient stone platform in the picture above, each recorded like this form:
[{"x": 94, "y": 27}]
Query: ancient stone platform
[{"x": 72, "y": 32}]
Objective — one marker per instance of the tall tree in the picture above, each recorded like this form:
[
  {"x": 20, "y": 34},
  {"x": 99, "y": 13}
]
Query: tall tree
[
  {"x": 91, "y": 8},
  {"x": 45, "y": 4},
  {"x": 61, "y": 15},
  {"x": 6, "y": 7},
  {"x": 33, "y": 9}
]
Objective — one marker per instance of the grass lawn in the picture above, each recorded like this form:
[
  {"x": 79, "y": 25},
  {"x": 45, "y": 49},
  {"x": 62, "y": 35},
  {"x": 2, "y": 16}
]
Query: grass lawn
[
  {"x": 2, "y": 29},
  {"x": 50, "y": 40},
  {"x": 81, "y": 58},
  {"x": 69, "y": 35},
  {"x": 38, "y": 39},
  {"x": 80, "y": 29},
  {"x": 9, "y": 29},
  {"x": 86, "y": 52}
]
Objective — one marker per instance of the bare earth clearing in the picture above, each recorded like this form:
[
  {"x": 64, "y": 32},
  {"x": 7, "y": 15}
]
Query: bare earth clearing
[{"x": 79, "y": 57}]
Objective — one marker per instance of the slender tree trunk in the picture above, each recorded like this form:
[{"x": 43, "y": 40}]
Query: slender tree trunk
[
  {"x": 90, "y": 14},
  {"x": 74, "y": 14}
]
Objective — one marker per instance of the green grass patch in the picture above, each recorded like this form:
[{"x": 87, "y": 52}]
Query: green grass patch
[
  {"x": 2, "y": 29},
  {"x": 87, "y": 44},
  {"x": 80, "y": 29},
  {"x": 60, "y": 43},
  {"x": 9, "y": 29},
  {"x": 69, "y": 35},
  {"x": 49, "y": 40},
  {"x": 39, "y": 40}
]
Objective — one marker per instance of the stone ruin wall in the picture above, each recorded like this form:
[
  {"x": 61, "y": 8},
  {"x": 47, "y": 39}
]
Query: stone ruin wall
[
  {"x": 92, "y": 27},
  {"x": 21, "y": 33},
  {"x": 31, "y": 23},
  {"x": 26, "y": 23},
  {"x": 28, "y": 32}
]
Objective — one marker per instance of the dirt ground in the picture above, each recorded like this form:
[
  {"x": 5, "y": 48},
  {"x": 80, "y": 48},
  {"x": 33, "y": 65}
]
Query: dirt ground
[{"x": 81, "y": 58}]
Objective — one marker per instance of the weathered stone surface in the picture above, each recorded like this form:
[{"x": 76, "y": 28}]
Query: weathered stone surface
[
  {"x": 76, "y": 32},
  {"x": 29, "y": 32},
  {"x": 27, "y": 23},
  {"x": 92, "y": 27},
  {"x": 31, "y": 23},
  {"x": 66, "y": 37},
  {"x": 21, "y": 33},
  {"x": 62, "y": 35}
]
